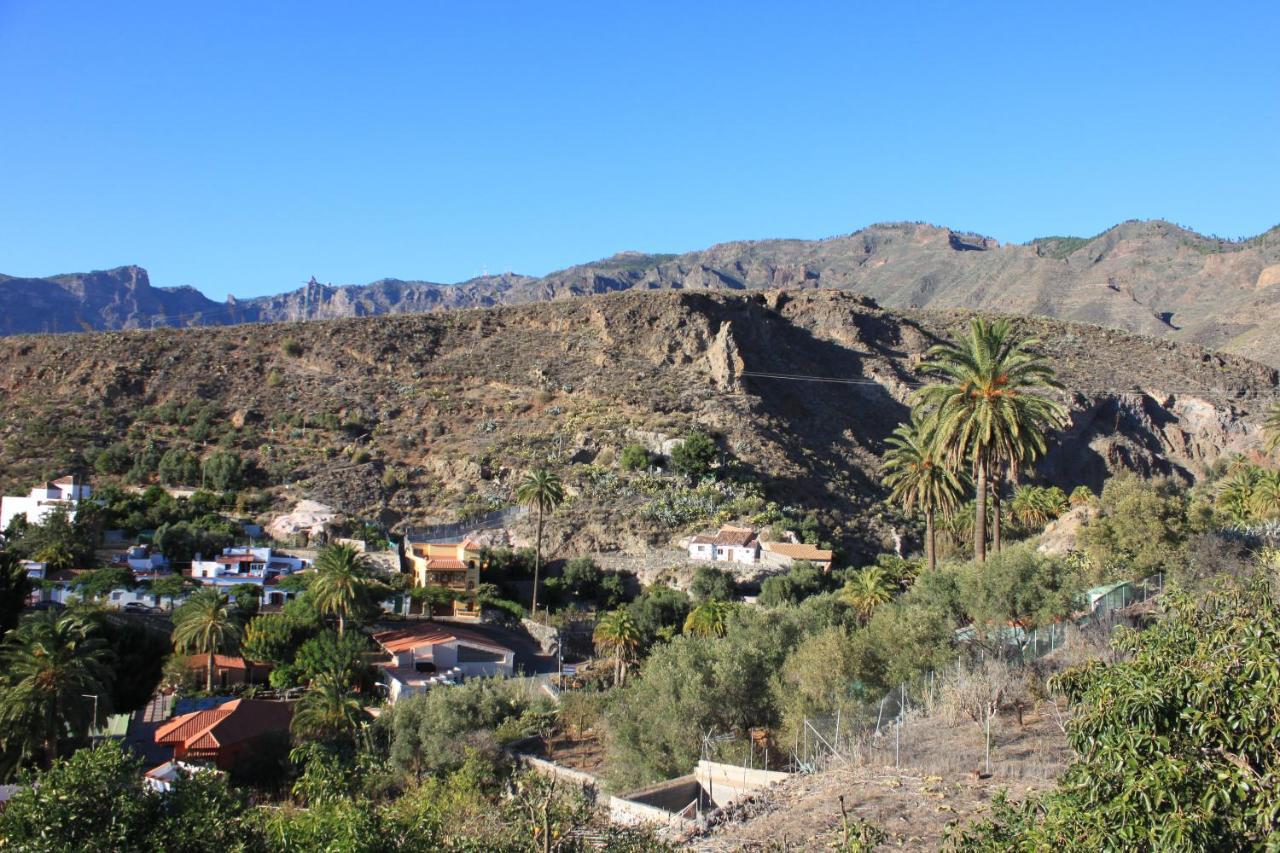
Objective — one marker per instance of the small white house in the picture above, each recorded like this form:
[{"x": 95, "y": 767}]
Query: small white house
[
  {"x": 729, "y": 545},
  {"x": 45, "y": 498},
  {"x": 428, "y": 650}
]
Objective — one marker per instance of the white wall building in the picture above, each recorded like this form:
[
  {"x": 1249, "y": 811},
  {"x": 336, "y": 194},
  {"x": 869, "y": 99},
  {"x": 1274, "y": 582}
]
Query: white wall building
[
  {"x": 261, "y": 566},
  {"x": 432, "y": 649},
  {"x": 729, "y": 545},
  {"x": 35, "y": 507}
]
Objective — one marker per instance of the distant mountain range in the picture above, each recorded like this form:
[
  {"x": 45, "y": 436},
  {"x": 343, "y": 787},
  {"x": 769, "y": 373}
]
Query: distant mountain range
[{"x": 1150, "y": 277}]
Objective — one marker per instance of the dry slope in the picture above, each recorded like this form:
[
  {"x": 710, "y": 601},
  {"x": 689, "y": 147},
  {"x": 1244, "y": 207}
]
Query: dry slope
[{"x": 411, "y": 418}]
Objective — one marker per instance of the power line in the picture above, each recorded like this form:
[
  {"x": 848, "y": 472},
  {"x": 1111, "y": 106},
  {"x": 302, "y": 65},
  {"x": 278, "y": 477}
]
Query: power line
[{"x": 915, "y": 383}]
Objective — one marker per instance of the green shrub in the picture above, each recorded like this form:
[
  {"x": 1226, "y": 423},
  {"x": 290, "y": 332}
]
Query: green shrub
[{"x": 634, "y": 458}]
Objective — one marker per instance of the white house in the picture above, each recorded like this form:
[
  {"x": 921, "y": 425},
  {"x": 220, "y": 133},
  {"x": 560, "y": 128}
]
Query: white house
[
  {"x": 142, "y": 559},
  {"x": 729, "y": 545},
  {"x": 426, "y": 653},
  {"x": 260, "y": 566},
  {"x": 62, "y": 492}
]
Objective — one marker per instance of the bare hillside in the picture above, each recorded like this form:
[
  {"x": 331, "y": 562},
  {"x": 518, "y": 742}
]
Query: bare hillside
[{"x": 417, "y": 418}]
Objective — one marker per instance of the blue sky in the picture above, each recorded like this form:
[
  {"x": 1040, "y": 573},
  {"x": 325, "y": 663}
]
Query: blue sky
[{"x": 242, "y": 147}]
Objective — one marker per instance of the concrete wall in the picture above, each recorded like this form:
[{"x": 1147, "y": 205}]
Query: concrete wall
[
  {"x": 629, "y": 813},
  {"x": 564, "y": 774},
  {"x": 725, "y": 783}
]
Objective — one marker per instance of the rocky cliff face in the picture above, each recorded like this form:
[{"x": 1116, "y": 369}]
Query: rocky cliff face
[
  {"x": 1153, "y": 278},
  {"x": 412, "y": 418}
]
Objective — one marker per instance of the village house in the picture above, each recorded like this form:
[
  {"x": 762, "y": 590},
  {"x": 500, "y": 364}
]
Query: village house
[
  {"x": 742, "y": 545},
  {"x": 63, "y": 492},
  {"x": 429, "y": 653},
  {"x": 786, "y": 554},
  {"x": 260, "y": 566},
  {"x": 223, "y": 734},
  {"x": 729, "y": 545},
  {"x": 451, "y": 566},
  {"x": 228, "y": 670},
  {"x": 142, "y": 559}
]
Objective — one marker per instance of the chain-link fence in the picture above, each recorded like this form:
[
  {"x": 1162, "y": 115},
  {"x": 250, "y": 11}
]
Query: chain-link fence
[{"x": 942, "y": 721}]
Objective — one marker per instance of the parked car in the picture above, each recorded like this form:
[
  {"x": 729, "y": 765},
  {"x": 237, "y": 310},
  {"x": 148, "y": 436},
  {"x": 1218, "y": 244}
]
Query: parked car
[{"x": 138, "y": 607}]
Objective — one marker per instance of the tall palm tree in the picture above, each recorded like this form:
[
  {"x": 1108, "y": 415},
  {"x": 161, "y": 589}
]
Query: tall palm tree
[
  {"x": 53, "y": 666},
  {"x": 340, "y": 582},
  {"x": 917, "y": 475},
  {"x": 327, "y": 711},
  {"x": 709, "y": 619},
  {"x": 986, "y": 408},
  {"x": 1271, "y": 427},
  {"x": 205, "y": 624},
  {"x": 618, "y": 634},
  {"x": 867, "y": 590},
  {"x": 543, "y": 491}
]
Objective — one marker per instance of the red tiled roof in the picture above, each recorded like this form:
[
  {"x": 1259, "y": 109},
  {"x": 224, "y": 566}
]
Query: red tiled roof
[
  {"x": 739, "y": 537},
  {"x": 445, "y": 563},
  {"x": 703, "y": 539},
  {"x": 431, "y": 634},
  {"x": 236, "y": 721},
  {"x": 798, "y": 551}
]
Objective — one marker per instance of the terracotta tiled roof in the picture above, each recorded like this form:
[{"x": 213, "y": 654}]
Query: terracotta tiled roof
[
  {"x": 236, "y": 721},
  {"x": 703, "y": 539},
  {"x": 798, "y": 551},
  {"x": 738, "y": 537},
  {"x": 219, "y": 662},
  {"x": 445, "y": 563},
  {"x": 431, "y": 634},
  {"x": 470, "y": 545}
]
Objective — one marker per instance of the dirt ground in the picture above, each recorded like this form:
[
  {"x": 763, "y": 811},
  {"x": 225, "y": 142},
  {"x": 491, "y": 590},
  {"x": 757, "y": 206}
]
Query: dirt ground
[
  {"x": 585, "y": 754},
  {"x": 914, "y": 806}
]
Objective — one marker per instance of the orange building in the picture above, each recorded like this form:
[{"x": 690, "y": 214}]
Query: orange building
[
  {"x": 452, "y": 566},
  {"x": 225, "y": 734}
]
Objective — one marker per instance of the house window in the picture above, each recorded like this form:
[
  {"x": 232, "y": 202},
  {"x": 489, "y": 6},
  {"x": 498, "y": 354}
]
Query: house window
[{"x": 115, "y": 596}]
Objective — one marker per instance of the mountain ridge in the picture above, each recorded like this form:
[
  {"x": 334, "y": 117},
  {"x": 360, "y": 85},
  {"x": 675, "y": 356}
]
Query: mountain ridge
[{"x": 1146, "y": 276}]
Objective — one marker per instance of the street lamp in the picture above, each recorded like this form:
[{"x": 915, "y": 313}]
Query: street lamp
[{"x": 94, "y": 697}]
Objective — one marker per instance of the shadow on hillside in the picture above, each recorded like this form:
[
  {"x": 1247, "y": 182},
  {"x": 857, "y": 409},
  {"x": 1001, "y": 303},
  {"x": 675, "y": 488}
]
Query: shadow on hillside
[{"x": 834, "y": 431}]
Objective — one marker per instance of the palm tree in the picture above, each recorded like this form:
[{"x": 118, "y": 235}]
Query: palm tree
[
  {"x": 618, "y": 634},
  {"x": 54, "y": 666},
  {"x": 1265, "y": 500},
  {"x": 1271, "y": 427},
  {"x": 1033, "y": 507},
  {"x": 339, "y": 583},
  {"x": 918, "y": 476},
  {"x": 327, "y": 711},
  {"x": 867, "y": 590},
  {"x": 543, "y": 491},
  {"x": 205, "y": 625},
  {"x": 709, "y": 619},
  {"x": 986, "y": 409},
  {"x": 1235, "y": 494}
]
